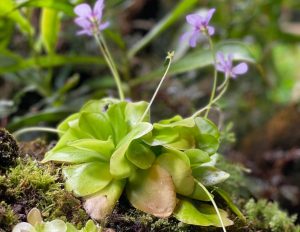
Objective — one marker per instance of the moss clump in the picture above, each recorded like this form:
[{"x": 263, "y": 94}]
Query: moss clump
[
  {"x": 31, "y": 184},
  {"x": 268, "y": 216},
  {"x": 65, "y": 207},
  {"x": 9, "y": 150},
  {"x": 7, "y": 217}
]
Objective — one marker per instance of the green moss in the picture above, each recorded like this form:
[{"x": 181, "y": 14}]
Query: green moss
[
  {"x": 67, "y": 208},
  {"x": 9, "y": 150},
  {"x": 29, "y": 177},
  {"x": 7, "y": 217},
  {"x": 268, "y": 216},
  {"x": 31, "y": 184}
]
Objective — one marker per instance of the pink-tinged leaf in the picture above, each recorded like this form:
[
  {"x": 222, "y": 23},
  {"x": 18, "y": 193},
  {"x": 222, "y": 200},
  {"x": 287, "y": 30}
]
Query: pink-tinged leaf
[
  {"x": 152, "y": 191},
  {"x": 102, "y": 203}
]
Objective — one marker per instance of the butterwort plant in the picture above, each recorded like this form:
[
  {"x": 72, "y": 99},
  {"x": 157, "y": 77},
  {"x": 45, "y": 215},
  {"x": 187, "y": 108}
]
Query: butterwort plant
[{"x": 165, "y": 168}]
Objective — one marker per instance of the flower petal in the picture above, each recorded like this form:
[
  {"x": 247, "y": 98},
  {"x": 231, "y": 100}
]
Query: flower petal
[
  {"x": 83, "y": 10},
  {"x": 185, "y": 36},
  {"x": 103, "y": 26},
  {"x": 194, "y": 19},
  {"x": 98, "y": 8},
  {"x": 209, "y": 15},
  {"x": 220, "y": 67},
  {"x": 194, "y": 39},
  {"x": 83, "y": 22},
  {"x": 240, "y": 69},
  {"x": 84, "y": 32},
  {"x": 210, "y": 30},
  {"x": 221, "y": 58}
]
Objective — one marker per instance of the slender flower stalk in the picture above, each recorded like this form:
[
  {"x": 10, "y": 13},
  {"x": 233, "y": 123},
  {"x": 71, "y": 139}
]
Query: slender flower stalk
[
  {"x": 225, "y": 86},
  {"x": 213, "y": 202},
  {"x": 90, "y": 21},
  {"x": 169, "y": 59},
  {"x": 108, "y": 58},
  {"x": 213, "y": 92}
]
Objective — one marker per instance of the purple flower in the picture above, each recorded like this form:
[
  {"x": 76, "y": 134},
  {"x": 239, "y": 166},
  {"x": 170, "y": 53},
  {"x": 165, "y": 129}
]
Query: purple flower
[
  {"x": 200, "y": 25},
  {"x": 224, "y": 64},
  {"x": 90, "y": 20}
]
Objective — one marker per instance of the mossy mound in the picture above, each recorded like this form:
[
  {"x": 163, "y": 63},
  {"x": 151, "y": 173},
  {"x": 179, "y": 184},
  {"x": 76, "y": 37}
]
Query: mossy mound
[
  {"x": 31, "y": 184},
  {"x": 9, "y": 150}
]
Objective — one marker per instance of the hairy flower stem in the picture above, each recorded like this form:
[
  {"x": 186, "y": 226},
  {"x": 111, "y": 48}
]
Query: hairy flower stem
[
  {"x": 225, "y": 85},
  {"x": 213, "y": 92},
  {"x": 169, "y": 59},
  {"x": 111, "y": 64},
  {"x": 35, "y": 129},
  {"x": 213, "y": 202}
]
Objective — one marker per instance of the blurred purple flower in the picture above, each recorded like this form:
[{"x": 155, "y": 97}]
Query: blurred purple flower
[
  {"x": 90, "y": 20},
  {"x": 224, "y": 64},
  {"x": 200, "y": 25}
]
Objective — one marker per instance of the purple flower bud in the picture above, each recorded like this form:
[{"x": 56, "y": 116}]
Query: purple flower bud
[
  {"x": 224, "y": 64},
  {"x": 200, "y": 25},
  {"x": 90, "y": 20}
]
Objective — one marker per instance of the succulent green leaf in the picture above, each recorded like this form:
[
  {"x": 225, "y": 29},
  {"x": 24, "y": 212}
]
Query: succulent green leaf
[
  {"x": 176, "y": 121},
  {"x": 81, "y": 151},
  {"x": 120, "y": 166},
  {"x": 70, "y": 121},
  {"x": 209, "y": 176},
  {"x": 88, "y": 178},
  {"x": 230, "y": 203},
  {"x": 204, "y": 215},
  {"x": 104, "y": 148},
  {"x": 140, "y": 155},
  {"x": 23, "y": 226},
  {"x": 199, "y": 194},
  {"x": 135, "y": 111},
  {"x": 116, "y": 116},
  {"x": 98, "y": 106},
  {"x": 197, "y": 157},
  {"x": 96, "y": 124},
  {"x": 102, "y": 203},
  {"x": 185, "y": 140},
  {"x": 163, "y": 136},
  {"x": 55, "y": 226},
  {"x": 71, "y": 228},
  {"x": 179, "y": 170},
  {"x": 90, "y": 227},
  {"x": 207, "y": 143},
  {"x": 170, "y": 120},
  {"x": 34, "y": 217},
  {"x": 206, "y": 126},
  {"x": 176, "y": 133},
  {"x": 152, "y": 191}
]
